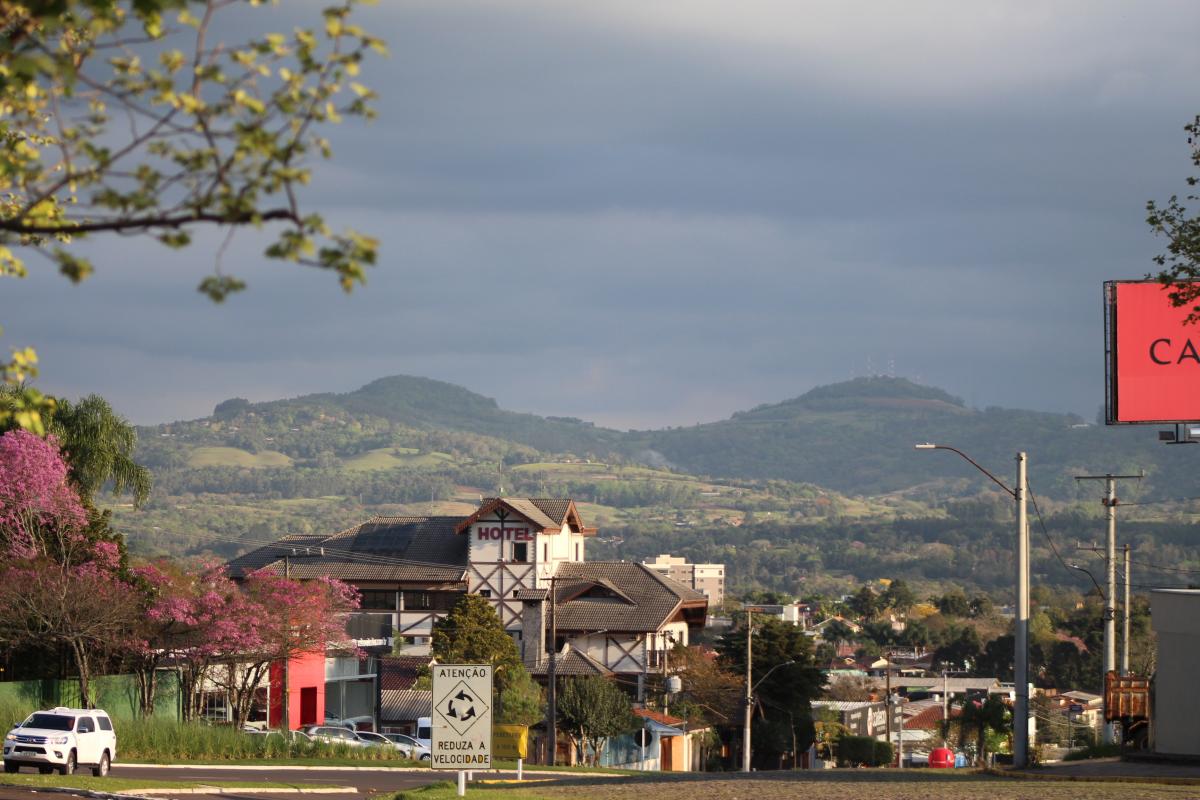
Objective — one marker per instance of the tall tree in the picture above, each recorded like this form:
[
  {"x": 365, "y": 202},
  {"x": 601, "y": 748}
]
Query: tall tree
[
  {"x": 471, "y": 633},
  {"x": 1180, "y": 265},
  {"x": 98, "y": 445},
  {"x": 785, "y": 690},
  {"x": 120, "y": 120},
  {"x": 592, "y": 710}
]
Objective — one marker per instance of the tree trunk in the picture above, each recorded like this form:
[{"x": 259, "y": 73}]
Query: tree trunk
[{"x": 83, "y": 667}]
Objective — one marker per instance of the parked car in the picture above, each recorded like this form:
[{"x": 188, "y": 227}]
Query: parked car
[
  {"x": 62, "y": 739},
  {"x": 377, "y": 740},
  {"x": 409, "y": 746},
  {"x": 294, "y": 736},
  {"x": 333, "y": 734}
]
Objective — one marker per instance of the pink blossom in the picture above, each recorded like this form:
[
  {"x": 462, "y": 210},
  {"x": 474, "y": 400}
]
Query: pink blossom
[{"x": 35, "y": 496}]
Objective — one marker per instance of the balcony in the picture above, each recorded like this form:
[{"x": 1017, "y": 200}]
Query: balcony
[{"x": 368, "y": 626}]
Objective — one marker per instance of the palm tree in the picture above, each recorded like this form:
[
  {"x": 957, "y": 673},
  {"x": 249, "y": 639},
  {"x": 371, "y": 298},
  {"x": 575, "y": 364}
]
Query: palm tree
[
  {"x": 980, "y": 717},
  {"x": 98, "y": 445}
]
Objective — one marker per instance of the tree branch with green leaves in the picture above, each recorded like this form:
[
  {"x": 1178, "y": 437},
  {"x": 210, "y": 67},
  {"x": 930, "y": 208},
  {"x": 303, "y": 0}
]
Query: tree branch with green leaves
[{"x": 132, "y": 118}]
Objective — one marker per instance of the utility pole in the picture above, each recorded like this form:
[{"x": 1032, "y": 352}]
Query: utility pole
[
  {"x": 887, "y": 696},
  {"x": 552, "y": 688},
  {"x": 1110, "y": 559},
  {"x": 1021, "y": 623},
  {"x": 1125, "y": 626},
  {"x": 749, "y": 695},
  {"x": 1021, "y": 620},
  {"x": 285, "y": 717}
]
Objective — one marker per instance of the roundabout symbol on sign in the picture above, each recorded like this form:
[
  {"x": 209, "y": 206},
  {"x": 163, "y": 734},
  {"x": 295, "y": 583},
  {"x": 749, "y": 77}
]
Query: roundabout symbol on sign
[{"x": 462, "y": 708}]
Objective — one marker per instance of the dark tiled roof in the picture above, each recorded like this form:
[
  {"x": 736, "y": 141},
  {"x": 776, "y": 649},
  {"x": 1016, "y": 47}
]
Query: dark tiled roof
[
  {"x": 416, "y": 549},
  {"x": 646, "y": 600},
  {"x": 401, "y": 672},
  {"x": 548, "y": 513},
  {"x": 571, "y": 662},
  {"x": 532, "y": 594},
  {"x": 405, "y": 705}
]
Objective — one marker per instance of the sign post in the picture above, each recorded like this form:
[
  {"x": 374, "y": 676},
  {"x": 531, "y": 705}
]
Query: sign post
[
  {"x": 462, "y": 719},
  {"x": 512, "y": 741}
]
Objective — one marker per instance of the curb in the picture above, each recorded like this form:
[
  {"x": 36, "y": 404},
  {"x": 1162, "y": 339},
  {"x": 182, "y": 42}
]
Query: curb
[
  {"x": 273, "y": 767},
  {"x": 434, "y": 774},
  {"x": 245, "y": 790},
  {"x": 133, "y": 793},
  {"x": 1046, "y": 776}
]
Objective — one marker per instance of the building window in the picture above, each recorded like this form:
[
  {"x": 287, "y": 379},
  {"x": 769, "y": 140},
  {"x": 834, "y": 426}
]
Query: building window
[
  {"x": 577, "y": 545},
  {"x": 417, "y": 601},
  {"x": 485, "y": 592},
  {"x": 377, "y": 599},
  {"x": 520, "y": 551}
]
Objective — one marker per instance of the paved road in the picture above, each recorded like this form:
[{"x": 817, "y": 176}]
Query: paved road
[
  {"x": 365, "y": 780},
  {"x": 1115, "y": 768}
]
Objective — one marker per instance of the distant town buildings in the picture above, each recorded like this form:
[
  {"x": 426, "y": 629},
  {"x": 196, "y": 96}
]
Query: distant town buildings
[{"x": 708, "y": 579}]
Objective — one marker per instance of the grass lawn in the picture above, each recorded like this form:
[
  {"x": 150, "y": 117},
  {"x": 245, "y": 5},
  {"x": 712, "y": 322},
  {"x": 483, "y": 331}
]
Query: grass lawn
[
  {"x": 316, "y": 761},
  {"x": 826, "y": 785},
  {"x": 233, "y": 457},
  {"x": 111, "y": 784},
  {"x": 392, "y": 457}
]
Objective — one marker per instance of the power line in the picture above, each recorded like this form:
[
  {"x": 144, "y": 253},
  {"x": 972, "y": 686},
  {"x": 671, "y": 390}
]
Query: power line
[{"x": 1042, "y": 524}]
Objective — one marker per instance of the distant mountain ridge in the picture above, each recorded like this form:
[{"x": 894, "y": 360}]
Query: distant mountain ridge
[{"x": 854, "y": 437}]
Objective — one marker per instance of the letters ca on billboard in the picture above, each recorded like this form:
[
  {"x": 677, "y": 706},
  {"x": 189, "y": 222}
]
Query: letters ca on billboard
[{"x": 1153, "y": 356}]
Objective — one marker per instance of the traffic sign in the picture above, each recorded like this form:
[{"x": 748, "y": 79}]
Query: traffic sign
[{"x": 462, "y": 717}]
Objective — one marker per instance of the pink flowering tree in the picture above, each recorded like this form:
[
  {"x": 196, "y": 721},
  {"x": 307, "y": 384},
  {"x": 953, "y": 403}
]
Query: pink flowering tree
[
  {"x": 195, "y": 619},
  {"x": 86, "y": 608},
  {"x": 179, "y": 607},
  {"x": 290, "y": 618},
  {"x": 40, "y": 511},
  {"x": 59, "y": 584}
]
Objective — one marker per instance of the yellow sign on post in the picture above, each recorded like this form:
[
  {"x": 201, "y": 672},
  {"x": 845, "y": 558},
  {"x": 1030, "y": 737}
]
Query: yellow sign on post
[{"x": 510, "y": 741}]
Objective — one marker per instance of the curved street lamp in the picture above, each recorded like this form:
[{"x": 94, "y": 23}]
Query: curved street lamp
[
  {"x": 1021, "y": 621},
  {"x": 749, "y": 711}
]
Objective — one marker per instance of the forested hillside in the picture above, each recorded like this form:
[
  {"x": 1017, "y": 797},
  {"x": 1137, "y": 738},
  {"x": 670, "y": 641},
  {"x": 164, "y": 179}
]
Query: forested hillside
[{"x": 821, "y": 490}]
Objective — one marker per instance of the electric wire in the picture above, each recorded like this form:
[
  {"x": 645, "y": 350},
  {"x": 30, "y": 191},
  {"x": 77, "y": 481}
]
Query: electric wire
[{"x": 1046, "y": 533}]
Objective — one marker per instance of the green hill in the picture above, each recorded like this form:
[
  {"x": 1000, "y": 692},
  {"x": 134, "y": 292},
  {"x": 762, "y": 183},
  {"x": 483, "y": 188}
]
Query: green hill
[
  {"x": 854, "y": 437},
  {"x": 858, "y": 436},
  {"x": 819, "y": 492}
]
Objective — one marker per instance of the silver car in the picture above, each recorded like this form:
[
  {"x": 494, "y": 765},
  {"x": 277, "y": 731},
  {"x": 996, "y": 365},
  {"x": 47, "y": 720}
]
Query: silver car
[{"x": 408, "y": 745}]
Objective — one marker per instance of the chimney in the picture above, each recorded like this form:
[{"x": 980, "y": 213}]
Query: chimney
[{"x": 533, "y": 626}]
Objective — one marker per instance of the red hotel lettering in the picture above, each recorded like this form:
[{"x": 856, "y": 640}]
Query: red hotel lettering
[{"x": 508, "y": 534}]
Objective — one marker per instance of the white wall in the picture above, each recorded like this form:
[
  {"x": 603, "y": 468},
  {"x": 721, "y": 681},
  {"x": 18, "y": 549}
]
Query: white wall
[{"x": 1176, "y": 618}]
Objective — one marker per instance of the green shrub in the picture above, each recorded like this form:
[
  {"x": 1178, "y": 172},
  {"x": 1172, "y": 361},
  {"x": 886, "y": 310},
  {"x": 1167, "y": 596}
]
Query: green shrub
[
  {"x": 855, "y": 750},
  {"x": 168, "y": 740}
]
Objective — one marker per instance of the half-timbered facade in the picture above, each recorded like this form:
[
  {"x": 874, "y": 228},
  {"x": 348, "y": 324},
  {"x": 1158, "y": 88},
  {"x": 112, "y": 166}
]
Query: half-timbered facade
[
  {"x": 603, "y": 617},
  {"x": 517, "y": 543}
]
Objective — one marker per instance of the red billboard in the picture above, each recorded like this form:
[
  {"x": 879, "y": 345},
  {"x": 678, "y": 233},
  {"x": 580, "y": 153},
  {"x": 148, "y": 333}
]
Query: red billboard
[{"x": 1152, "y": 356}]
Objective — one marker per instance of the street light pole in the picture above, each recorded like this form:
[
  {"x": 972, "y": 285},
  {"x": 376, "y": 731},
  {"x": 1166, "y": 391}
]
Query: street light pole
[
  {"x": 749, "y": 715},
  {"x": 1021, "y": 657},
  {"x": 1021, "y": 621}
]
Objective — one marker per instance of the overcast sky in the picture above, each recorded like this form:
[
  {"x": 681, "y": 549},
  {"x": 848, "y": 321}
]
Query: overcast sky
[{"x": 658, "y": 213}]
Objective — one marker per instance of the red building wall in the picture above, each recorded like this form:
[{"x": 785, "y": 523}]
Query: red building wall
[{"x": 306, "y": 691}]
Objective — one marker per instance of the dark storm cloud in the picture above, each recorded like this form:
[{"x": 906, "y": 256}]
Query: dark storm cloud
[{"x": 594, "y": 210}]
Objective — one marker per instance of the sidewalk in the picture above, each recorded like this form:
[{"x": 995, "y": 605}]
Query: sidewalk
[{"x": 1113, "y": 769}]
